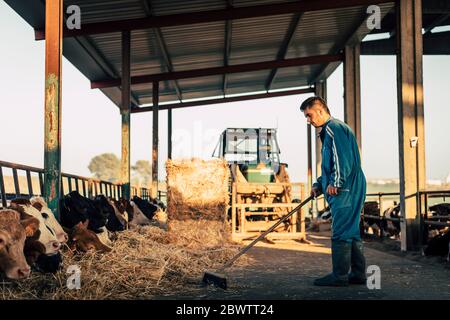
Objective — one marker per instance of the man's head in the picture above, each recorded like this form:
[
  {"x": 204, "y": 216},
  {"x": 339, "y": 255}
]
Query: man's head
[{"x": 316, "y": 111}]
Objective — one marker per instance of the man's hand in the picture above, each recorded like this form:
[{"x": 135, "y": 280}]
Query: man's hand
[
  {"x": 315, "y": 192},
  {"x": 332, "y": 191}
]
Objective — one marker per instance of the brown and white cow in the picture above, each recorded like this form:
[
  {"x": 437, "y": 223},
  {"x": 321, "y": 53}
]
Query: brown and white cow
[
  {"x": 83, "y": 239},
  {"x": 13, "y": 232},
  {"x": 47, "y": 236},
  {"x": 50, "y": 220}
]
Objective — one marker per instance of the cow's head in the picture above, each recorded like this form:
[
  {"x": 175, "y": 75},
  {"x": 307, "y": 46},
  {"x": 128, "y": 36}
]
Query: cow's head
[
  {"x": 47, "y": 236},
  {"x": 12, "y": 240},
  {"x": 50, "y": 220},
  {"x": 83, "y": 239}
]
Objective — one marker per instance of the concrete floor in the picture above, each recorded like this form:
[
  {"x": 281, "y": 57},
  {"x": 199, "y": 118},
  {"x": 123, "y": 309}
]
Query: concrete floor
[{"x": 286, "y": 270}]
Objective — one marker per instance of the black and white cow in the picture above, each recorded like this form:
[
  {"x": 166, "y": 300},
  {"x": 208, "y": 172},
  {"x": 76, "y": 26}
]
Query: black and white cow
[{"x": 75, "y": 209}]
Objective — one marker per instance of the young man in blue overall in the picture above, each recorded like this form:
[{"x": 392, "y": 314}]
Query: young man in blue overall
[{"x": 344, "y": 187}]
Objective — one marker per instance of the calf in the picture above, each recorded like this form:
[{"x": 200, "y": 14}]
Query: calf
[
  {"x": 75, "y": 209},
  {"x": 143, "y": 211},
  {"x": 117, "y": 220},
  {"x": 83, "y": 239},
  {"x": 50, "y": 220},
  {"x": 47, "y": 236},
  {"x": 13, "y": 232}
]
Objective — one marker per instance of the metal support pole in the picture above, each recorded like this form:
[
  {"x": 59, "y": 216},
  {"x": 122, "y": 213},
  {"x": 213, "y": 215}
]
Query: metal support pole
[
  {"x": 169, "y": 133},
  {"x": 410, "y": 118},
  {"x": 352, "y": 90},
  {"x": 125, "y": 113},
  {"x": 155, "y": 140},
  {"x": 320, "y": 91},
  {"x": 310, "y": 179},
  {"x": 52, "y": 136}
]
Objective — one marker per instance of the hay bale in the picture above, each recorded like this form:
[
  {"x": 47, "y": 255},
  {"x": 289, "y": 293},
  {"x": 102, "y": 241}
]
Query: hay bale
[
  {"x": 197, "y": 189},
  {"x": 145, "y": 262}
]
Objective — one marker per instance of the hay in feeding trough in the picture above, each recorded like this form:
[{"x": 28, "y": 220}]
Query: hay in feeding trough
[
  {"x": 144, "y": 262},
  {"x": 197, "y": 189}
]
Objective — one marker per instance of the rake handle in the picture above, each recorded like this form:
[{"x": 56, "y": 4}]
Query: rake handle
[{"x": 265, "y": 233}]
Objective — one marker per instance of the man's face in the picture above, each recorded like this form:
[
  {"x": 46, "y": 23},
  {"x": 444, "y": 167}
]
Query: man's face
[{"x": 316, "y": 115}]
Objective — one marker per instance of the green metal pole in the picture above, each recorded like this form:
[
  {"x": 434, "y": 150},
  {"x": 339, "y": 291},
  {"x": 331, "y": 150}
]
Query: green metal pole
[
  {"x": 52, "y": 136},
  {"x": 125, "y": 112}
]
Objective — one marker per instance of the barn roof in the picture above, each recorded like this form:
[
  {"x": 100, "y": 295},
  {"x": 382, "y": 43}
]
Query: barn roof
[{"x": 201, "y": 49}]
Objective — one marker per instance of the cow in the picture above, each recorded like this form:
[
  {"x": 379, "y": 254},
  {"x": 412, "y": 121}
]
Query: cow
[
  {"x": 439, "y": 245},
  {"x": 75, "y": 209},
  {"x": 117, "y": 217},
  {"x": 83, "y": 239},
  {"x": 13, "y": 232},
  {"x": 120, "y": 210},
  {"x": 47, "y": 236},
  {"x": 143, "y": 211},
  {"x": 50, "y": 220}
]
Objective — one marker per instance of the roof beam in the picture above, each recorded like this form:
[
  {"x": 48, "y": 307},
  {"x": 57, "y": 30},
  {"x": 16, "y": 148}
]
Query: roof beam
[
  {"x": 210, "y": 16},
  {"x": 436, "y": 23},
  {"x": 351, "y": 39},
  {"x": 226, "y": 100},
  {"x": 86, "y": 44},
  {"x": 162, "y": 45},
  {"x": 221, "y": 70},
  {"x": 295, "y": 22}
]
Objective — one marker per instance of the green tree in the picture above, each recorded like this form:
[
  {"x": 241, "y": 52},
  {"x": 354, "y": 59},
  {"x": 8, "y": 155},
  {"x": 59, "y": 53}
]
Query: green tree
[
  {"x": 105, "y": 166},
  {"x": 142, "y": 172}
]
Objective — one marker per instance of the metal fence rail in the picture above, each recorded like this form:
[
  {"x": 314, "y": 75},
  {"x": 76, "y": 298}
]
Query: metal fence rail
[
  {"x": 423, "y": 197},
  {"x": 88, "y": 187}
]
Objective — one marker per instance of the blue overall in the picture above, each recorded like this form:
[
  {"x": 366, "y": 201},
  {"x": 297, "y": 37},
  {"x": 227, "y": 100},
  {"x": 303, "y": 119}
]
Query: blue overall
[{"x": 341, "y": 168}]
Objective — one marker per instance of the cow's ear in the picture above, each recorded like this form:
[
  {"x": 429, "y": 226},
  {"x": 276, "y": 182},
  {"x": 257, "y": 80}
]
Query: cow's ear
[
  {"x": 86, "y": 223},
  {"x": 31, "y": 225},
  {"x": 37, "y": 205}
]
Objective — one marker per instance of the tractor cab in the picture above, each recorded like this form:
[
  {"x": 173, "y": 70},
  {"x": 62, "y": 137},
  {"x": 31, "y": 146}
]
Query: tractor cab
[{"x": 255, "y": 151}]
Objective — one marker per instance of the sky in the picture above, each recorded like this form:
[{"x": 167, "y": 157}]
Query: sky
[{"x": 91, "y": 122}]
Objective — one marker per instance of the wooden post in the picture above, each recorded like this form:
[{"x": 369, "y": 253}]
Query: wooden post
[
  {"x": 52, "y": 137},
  {"x": 155, "y": 140},
  {"x": 169, "y": 133},
  {"x": 410, "y": 118},
  {"x": 125, "y": 113},
  {"x": 352, "y": 90}
]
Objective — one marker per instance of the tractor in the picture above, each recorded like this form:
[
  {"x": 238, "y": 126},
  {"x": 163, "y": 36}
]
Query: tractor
[{"x": 260, "y": 188}]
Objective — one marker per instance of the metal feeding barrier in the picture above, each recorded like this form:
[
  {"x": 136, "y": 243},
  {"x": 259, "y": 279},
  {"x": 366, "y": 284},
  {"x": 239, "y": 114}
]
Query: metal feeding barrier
[
  {"x": 423, "y": 198},
  {"x": 26, "y": 186}
]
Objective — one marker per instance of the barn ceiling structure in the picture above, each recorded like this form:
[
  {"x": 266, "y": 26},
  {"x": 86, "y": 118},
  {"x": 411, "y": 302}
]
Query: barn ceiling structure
[{"x": 153, "y": 55}]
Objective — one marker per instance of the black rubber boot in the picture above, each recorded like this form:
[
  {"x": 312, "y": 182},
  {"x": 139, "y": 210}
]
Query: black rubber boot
[
  {"x": 358, "y": 272},
  {"x": 341, "y": 257}
]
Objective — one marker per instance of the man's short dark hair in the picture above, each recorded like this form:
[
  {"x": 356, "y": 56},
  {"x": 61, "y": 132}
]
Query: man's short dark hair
[{"x": 308, "y": 103}]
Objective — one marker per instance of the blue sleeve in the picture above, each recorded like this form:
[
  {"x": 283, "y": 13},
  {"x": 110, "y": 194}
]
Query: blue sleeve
[{"x": 341, "y": 154}]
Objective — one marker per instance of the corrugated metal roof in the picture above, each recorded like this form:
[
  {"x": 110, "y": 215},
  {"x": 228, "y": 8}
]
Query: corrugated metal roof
[{"x": 198, "y": 46}]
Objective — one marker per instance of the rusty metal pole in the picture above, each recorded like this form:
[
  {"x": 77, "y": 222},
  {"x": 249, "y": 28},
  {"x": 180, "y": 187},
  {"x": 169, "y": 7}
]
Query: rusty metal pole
[
  {"x": 125, "y": 113},
  {"x": 169, "y": 133},
  {"x": 411, "y": 132},
  {"x": 155, "y": 139},
  {"x": 310, "y": 178},
  {"x": 352, "y": 90},
  {"x": 320, "y": 91},
  {"x": 52, "y": 137}
]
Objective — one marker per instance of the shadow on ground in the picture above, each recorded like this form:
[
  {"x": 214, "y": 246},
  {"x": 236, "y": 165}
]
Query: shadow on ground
[{"x": 286, "y": 270}]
